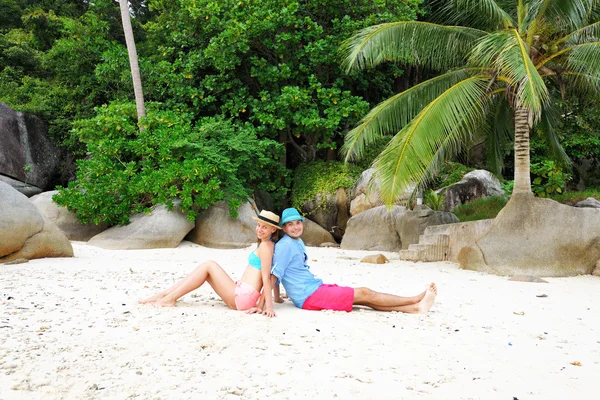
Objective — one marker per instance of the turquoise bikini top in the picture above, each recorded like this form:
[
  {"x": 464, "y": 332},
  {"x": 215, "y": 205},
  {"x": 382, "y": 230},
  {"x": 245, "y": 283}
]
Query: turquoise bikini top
[{"x": 254, "y": 260}]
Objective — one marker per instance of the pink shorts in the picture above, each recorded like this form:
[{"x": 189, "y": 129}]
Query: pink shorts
[
  {"x": 330, "y": 297},
  {"x": 245, "y": 296}
]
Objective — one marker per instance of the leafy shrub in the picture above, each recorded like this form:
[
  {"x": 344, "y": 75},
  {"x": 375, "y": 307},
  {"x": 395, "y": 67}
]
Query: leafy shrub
[
  {"x": 449, "y": 173},
  {"x": 128, "y": 170},
  {"x": 317, "y": 177},
  {"x": 483, "y": 208},
  {"x": 507, "y": 187},
  {"x": 548, "y": 178},
  {"x": 434, "y": 200},
  {"x": 571, "y": 198}
]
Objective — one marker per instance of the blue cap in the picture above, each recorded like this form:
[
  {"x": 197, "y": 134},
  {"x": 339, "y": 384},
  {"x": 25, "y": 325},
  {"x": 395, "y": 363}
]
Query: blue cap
[{"x": 290, "y": 214}]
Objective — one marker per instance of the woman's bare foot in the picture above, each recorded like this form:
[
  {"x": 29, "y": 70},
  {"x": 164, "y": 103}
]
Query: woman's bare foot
[
  {"x": 166, "y": 301},
  {"x": 152, "y": 299},
  {"x": 427, "y": 301}
]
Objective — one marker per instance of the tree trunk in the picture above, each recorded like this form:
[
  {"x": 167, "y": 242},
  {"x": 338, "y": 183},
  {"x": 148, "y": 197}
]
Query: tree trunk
[
  {"x": 522, "y": 162},
  {"x": 133, "y": 60}
]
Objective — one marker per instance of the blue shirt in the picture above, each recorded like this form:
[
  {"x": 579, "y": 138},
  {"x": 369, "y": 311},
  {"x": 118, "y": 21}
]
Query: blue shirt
[{"x": 289, "y": 266}]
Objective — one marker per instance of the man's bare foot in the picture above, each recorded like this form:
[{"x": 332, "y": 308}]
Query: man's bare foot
[
  {"x": 427, "y": 301},
  {"x": 278, "y": 300},
  {"x": 433, "y": 287}
]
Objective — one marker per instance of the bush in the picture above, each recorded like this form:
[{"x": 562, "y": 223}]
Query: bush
[
  {"x": 572, "y": 198},
  {"x": 449, "y": 173},
  {"x": 484, "y": 208},
  {"x": 128, "y": 170},
  {"x": 548, "y": 178},
  {"x": 434, "y": 200},
  {"x": 317, "y": 177}
]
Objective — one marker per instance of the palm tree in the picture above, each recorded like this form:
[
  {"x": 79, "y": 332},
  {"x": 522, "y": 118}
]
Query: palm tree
[
  {"x": 133, "y": 60},
  {"x": 501, "y": 62}
]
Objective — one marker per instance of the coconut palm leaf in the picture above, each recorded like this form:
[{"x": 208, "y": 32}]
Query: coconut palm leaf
[
  {"x": 589, "y": 33},
  {"x": 446, "y": 121},
  {"x": 509, "y": 55},
  {"x": 549, "y": 119},
  {"x": 564, "y": 14},
  {"x": 583, "y": 85},
  {"x": 409, "y": 42},
  {"x": 392, "y": 114},
  {"x": 585, "y": 59},
  {"x": 500, "y": 133},
  {"x": 481, "y": 14}
]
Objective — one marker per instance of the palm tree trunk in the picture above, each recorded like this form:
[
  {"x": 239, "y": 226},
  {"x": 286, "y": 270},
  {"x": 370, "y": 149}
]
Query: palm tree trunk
[
  {"x": 133, "y": 60},
  {"x": 522, "y": 162}
]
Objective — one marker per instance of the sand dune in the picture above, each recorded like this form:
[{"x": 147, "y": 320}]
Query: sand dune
[{"x": 72, "y": 329}]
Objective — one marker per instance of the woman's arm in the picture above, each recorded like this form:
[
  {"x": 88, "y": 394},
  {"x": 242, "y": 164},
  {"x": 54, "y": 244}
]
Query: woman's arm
[{"x": 265, "y": 252}]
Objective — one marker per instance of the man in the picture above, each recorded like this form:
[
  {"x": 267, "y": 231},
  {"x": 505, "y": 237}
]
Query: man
[{"x": 309, "y": 293}]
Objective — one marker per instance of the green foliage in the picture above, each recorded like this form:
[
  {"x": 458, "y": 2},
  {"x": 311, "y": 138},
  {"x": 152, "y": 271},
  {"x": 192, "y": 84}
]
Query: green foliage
[
  {"x": 449, "y": 173},
  {"x": 548, "y": 178},
  {"x": 128, "y": 170},
  {"x": 507, "y": 187},
  {"x": 572, "y": 198},
  {"x": 318, "y": 177},
  {"x": 434, "y": 200},
  {"x": 483, "y": 208},
  {"x": 491, "y": 57},
  {"x": 271, "y": 63}
]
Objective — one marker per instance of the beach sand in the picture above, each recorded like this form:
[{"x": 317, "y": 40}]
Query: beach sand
[{"x": 71, "y": 328}]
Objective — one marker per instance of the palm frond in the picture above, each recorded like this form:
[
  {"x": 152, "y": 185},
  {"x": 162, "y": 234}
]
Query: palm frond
[
  {"x": 565, "y": 14},
  {"x": 583, "y": 85},
  {"x": 446, "y": 121},
  {"x": 409, "y": 42},
  {"x": 550, "y": 118},
  {"x": 589, "y": 33},
  {"x": 391, "y": 115},
  {"x": 509, "y": 55},
  {"x": 480, "y": 14},
  {"x": 500, "y": 133},
  {"x": 585, "y": 59}
]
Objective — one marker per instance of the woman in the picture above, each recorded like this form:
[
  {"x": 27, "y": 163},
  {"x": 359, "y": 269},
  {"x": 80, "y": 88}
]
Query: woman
[{"x": 243, "y": 294}]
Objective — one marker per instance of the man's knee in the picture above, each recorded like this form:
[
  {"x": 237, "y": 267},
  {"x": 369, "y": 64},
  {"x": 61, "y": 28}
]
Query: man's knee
[{"x": 363, "y": 294}]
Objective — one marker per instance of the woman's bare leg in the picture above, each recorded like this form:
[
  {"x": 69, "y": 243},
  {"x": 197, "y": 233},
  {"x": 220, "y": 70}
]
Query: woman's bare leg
[{"x": 209, "y": 272}]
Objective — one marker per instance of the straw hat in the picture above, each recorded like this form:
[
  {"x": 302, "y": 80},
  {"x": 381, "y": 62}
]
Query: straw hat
[{"x": 268, "y": 218}]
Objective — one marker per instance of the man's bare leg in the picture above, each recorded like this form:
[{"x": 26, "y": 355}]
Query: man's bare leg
[{"x": 389, "y": 302}]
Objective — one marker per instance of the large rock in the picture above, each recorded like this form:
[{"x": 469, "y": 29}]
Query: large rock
[
  {"x": 474, "y": 185},
  {"x": 374, "y": 229},
  {"x": 413, "y": 223},
  {"x": 540, "y": 237},
  {"x": 315, "y": 235},
  {"x": 366, "y": 193},
  {"x": 215, "y": 227},
  {"x": 25, "y": 188},
  {"x": 330, "y": 211},
  {"x": 590, "y": 202},
  {"x": 27, "y": 154},
  {"x": 64, "y": 219},
  {"x": 25, "y": 232},
  {"x": 159, "y": 229}
]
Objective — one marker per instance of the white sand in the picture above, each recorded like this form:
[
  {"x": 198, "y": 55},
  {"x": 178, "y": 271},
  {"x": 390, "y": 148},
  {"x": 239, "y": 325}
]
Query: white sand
[{"x": 72, "y": 329}]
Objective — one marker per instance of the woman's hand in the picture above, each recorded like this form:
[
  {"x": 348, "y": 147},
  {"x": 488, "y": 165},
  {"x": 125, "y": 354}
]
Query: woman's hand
[
  {"x": 269, "y": 313},
  {"x": 254, "y": 310}
]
